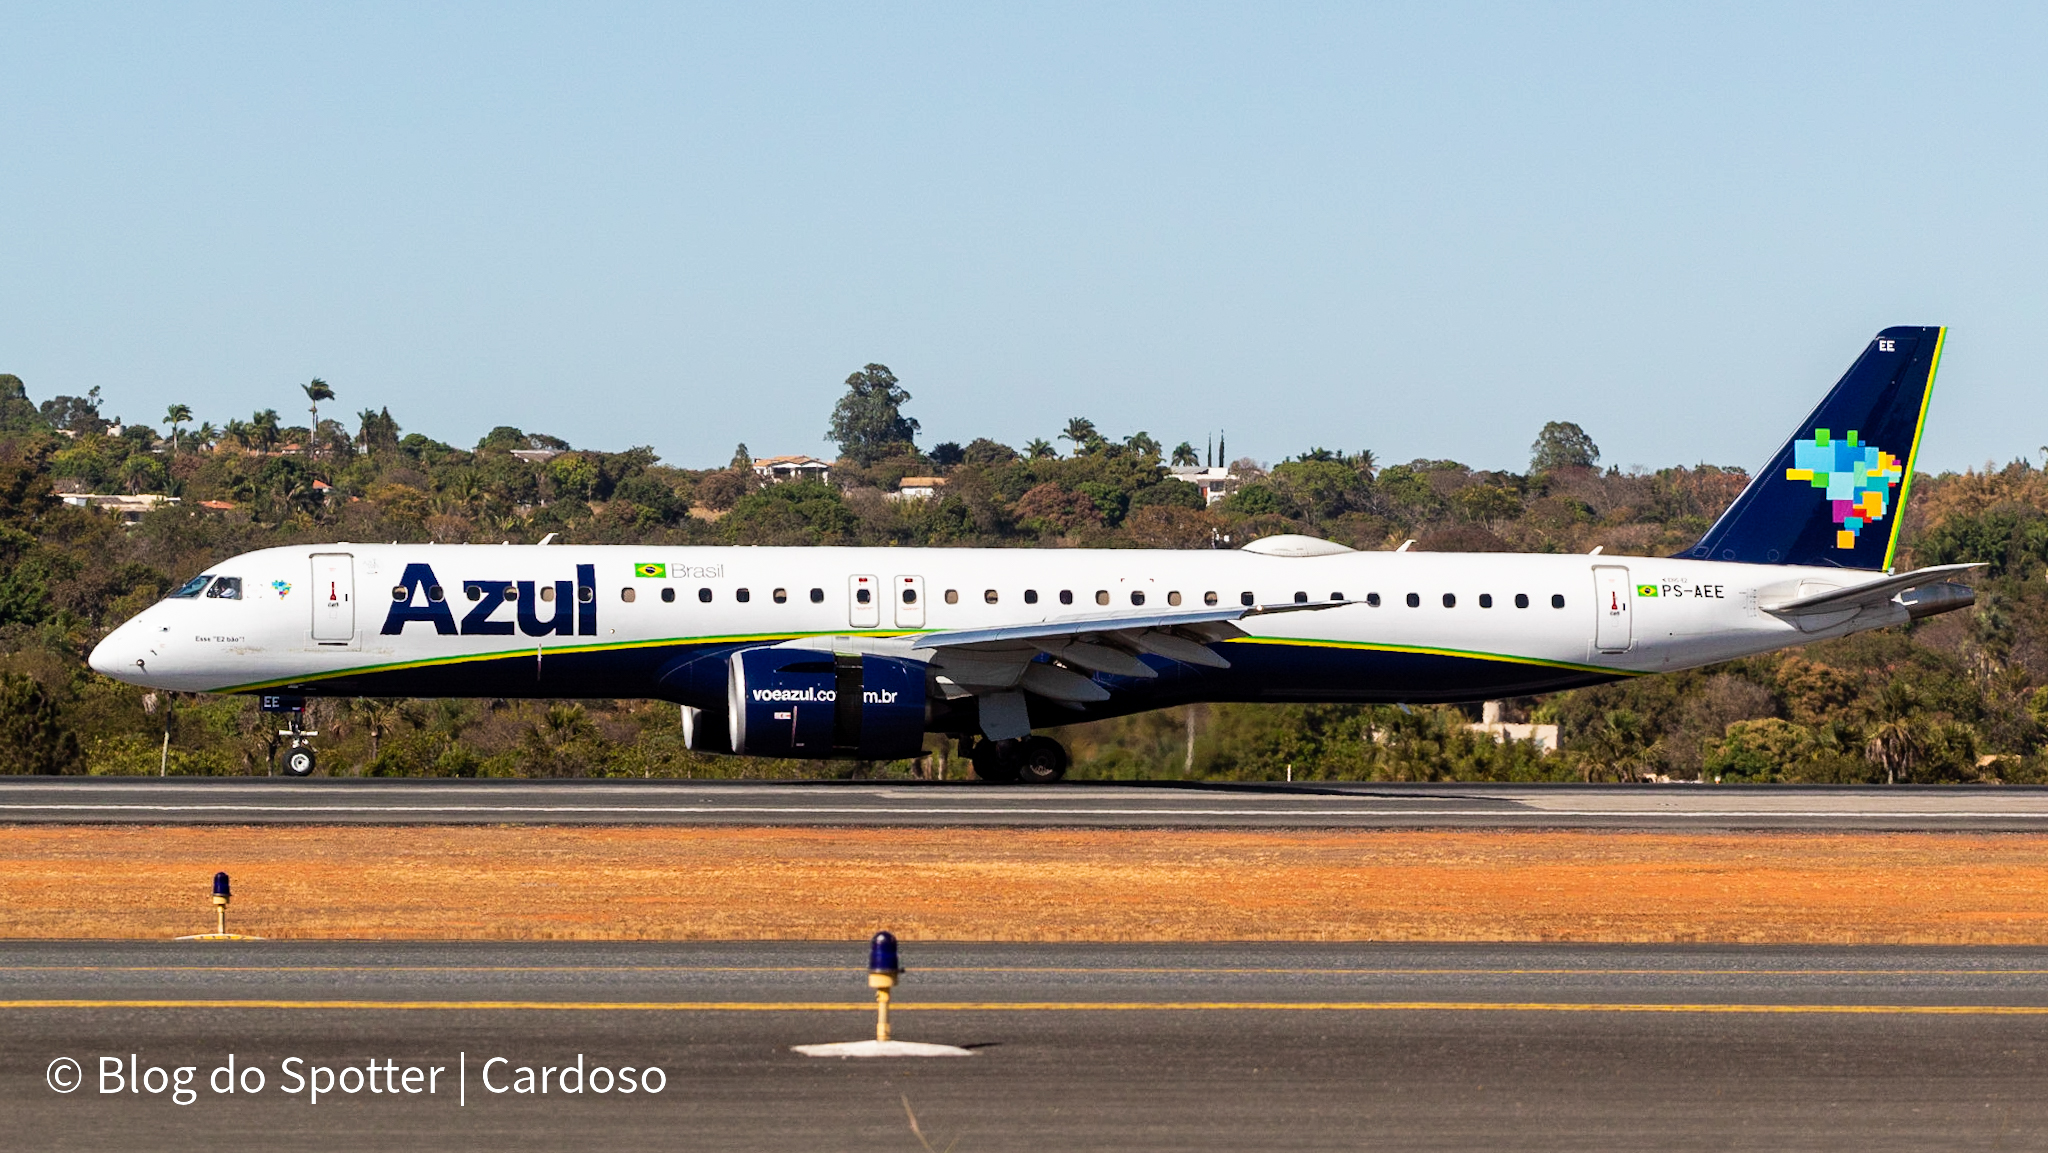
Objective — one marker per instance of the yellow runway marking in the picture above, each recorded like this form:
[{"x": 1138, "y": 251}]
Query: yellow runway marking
[
  {"x": 1056, "y": 1007},
  {"x": 1076, "y": 970}
]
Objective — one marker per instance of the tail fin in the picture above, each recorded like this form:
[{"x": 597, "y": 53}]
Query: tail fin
[{"x": 1836, "y": 493}]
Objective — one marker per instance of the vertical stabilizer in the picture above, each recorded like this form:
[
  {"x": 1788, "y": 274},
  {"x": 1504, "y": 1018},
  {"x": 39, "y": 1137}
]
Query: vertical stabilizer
[{"x": 1835, "y": 494}]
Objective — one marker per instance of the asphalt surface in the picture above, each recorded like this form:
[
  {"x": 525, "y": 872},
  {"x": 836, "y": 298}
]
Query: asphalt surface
[
  {"x": 1074, "y": 1047},
  {"x": 220, "y": 800}
]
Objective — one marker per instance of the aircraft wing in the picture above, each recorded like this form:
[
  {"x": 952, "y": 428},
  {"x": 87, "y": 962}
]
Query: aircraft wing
[
  {"x": 1000, "y": 665},
  {"x": 1115, "y": 622}
]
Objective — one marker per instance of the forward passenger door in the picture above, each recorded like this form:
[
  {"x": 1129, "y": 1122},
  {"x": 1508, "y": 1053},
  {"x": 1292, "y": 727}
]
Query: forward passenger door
[{"x": 333, "y": 597}]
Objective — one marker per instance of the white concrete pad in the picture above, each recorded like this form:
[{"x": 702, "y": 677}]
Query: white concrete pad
[{"x": 881, "y": 1049}]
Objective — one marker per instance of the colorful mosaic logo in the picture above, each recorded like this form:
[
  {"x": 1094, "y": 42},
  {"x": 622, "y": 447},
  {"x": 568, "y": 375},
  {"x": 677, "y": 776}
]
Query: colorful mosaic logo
[
  {"x": 282, "y": 587},
  {"x": 1858, "y": 478}
]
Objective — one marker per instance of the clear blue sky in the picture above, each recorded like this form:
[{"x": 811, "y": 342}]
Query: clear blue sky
[{"x": 1424, "y": 230}]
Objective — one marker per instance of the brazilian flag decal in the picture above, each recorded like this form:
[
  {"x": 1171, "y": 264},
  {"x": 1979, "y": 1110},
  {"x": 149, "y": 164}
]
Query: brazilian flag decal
[
  {"x": 1646, "y": 590},
  {"x": 650, "y": 571}
]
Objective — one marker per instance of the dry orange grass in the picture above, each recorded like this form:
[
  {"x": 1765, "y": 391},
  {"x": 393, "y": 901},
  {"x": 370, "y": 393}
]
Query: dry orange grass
[{"x": 1026, "y": 885}]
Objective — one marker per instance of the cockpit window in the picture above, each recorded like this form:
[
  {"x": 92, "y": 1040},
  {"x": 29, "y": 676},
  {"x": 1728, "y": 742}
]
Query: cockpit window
[
  {"x": 226, "y": 588},
  {"x": 191, "y": 587}
]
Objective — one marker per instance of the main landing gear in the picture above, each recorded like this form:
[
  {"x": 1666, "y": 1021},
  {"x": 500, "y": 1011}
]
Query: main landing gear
[{"x": 1031, "y": 761}]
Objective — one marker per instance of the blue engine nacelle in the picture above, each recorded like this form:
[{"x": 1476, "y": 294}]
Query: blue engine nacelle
[{"x": 800, "y": 703}]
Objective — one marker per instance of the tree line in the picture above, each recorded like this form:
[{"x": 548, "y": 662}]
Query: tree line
[{"x": 1958, "y": 697}]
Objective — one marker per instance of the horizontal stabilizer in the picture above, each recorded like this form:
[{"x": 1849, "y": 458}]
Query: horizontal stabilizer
[{"x": 1871, "y": 593}]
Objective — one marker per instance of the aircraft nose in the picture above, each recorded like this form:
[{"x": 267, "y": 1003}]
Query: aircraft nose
[{"x": 119, "y": 655}]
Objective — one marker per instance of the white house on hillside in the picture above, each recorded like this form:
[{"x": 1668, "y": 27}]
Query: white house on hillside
[
  {"x": 1215, "y": 483},
  {"x": 777, "y": 469},
  {"x": 918, "y": 488}
]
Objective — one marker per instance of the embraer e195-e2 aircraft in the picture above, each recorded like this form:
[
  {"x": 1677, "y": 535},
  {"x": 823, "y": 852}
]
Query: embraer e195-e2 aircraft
[{"x": 860, "y": 652}]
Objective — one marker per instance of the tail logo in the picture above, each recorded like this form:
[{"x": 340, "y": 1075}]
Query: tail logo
[{"x": 1858, "y": 479}]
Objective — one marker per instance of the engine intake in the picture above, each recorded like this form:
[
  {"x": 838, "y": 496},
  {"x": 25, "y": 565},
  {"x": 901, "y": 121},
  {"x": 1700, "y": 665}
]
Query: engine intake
[{"x": 797, "y": 703}]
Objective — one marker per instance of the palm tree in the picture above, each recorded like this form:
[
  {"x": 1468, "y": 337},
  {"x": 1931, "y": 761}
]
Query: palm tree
[
  {"x": 1082, "y": 432},
  {"x": 1366, "y": 463},
  {"x": 1141, "y": 442},
  {"x": 1894, "y": 739},
  {"x": 316, "y": 391},
  {"x": 240, "y": 432},
  {"x": 205, "y": 434},
  {"x": 1040, "y": 448},
  {"x": 265, "y": 428},
  {"x": 174, "y": 416},
  {"x": 1184, "y": 455}
]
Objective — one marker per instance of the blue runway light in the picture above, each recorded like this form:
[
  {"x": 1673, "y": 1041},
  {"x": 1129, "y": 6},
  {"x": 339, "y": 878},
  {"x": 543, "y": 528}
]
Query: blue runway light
[
  {"x": 881, "y": 954},
  {"x": 220, "y": 886}
]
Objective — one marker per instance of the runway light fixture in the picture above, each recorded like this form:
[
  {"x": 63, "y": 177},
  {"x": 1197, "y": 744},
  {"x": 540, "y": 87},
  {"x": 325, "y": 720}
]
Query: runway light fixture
[
  {"x": 220, "y": 901},
  {"x": 883, "y": 970}
]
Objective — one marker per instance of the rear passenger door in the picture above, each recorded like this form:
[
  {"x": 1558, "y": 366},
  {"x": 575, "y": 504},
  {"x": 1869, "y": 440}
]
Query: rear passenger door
[{"x": 1613, "y": 597}]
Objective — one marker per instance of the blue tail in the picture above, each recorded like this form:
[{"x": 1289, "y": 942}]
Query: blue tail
[{"x": 1836, "y": 493}]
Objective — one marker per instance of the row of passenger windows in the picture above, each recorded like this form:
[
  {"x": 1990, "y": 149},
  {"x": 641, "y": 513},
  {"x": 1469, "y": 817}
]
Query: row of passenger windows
[{"x": 865, "y": 596}]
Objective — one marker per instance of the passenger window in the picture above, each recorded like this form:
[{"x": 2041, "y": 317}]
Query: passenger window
[
  {"x": 989, "y": 595},
  {"x": 1557, "y": 600},
  {"x": 435, "y": 594},
  {"x": 1521, "y": 600},
  {"x": 627, "y": 594},
  {"x": 817, "y": 596},
  {"x": 704, "y": 596},
  {"x": 1030, "y": 596},
  {"x": 668, "y": 596},
  {"x": 1300, "y": 598},
  {"x": 1336, "y": 596},
  {"x": 230, "y": 589},
  {"x": 864, "y": 596},
  {"x": 1066, "y": 596},
  {"x": 547, "y": 592},
  {"x": 398, "y": 592},
  {"x": 742, "y": 595},
  {"x": 1173, "y": 598},
  {"x": 1486, "y": 600},
  {"x": 1102, "y": 596},
  {"x": 191, "y": 588},
  {"x": 952, "y": 596},
  {"x": 1450, "y": 600},
  {"x": 781, "y": 596},
  {"x": 1414, "y": 600},
  {"x": 511, "y": 592},
  {"x": 1245, "y": 599},
  {"x": 585, "y": 593},
  {"x": 1372, "y": 599},
  {"x": 910, "y": 596},
  {"x": 473, "y": 592},
  {"x": 1209, "y": 598},
  {"x": 1137, "y": 598}
]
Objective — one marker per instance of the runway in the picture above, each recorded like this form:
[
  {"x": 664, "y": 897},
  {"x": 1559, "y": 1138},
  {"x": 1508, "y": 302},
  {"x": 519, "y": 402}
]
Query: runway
[
  {"x": 1085, "y": 804},
  {"x": 1074, "y": 1046}
]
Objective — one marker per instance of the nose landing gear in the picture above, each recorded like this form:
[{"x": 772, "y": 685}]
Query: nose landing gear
[
  {"x": 1031, "y": 761},
  {"x": 299, "y": 760}
]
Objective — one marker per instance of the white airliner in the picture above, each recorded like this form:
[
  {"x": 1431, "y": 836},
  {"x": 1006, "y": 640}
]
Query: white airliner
[{"x": 860, "y": 652}]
